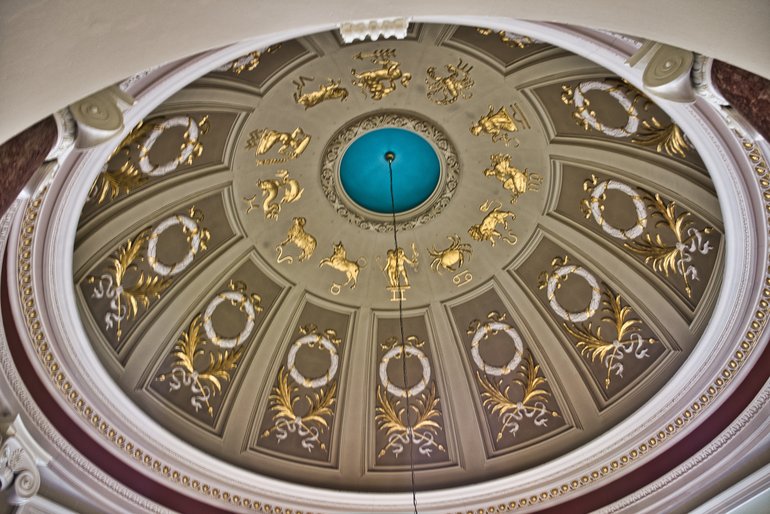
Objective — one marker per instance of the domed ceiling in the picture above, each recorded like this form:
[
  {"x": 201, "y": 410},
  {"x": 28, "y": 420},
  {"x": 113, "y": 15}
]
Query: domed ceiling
[{"x": 239, "y": 288}]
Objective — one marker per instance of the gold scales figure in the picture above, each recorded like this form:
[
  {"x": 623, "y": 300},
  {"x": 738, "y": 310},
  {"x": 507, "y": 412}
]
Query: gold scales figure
[{"x": 445, "y": 90}]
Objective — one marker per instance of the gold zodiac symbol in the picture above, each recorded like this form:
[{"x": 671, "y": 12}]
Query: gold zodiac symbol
[
  {"x": 513, "y": 179},
  {"x": 249, "y": 61},
  {"x": 395, "y": 270},
  {"x": 299, "y": 238},
  {"x": 487, "y": 229},
  {"x": 270, "y": 189},
  {"x": 462, "y": 278},
  {"x": 380, "y": 82},
  {"x": 340, "y": 262},
  {"x": 329, "y": 91},
  {"x": 291, "y": 144},
  {"x": 512, "y": 40},
  {"x": 496, "y": 124},
  {"x": 446, "y": 90},
  {"x": 452, "y": 257}
]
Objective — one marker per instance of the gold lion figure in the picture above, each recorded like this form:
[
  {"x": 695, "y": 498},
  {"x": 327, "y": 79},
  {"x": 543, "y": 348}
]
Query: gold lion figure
[
  {"x": 513, "y": 179},
  {"x": 299, "y": 238},
  {"x": 487, "y": 229}
]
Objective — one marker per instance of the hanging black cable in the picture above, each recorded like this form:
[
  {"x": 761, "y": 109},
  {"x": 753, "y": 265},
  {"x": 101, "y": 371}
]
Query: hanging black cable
[{"x": 390, "y": 157}]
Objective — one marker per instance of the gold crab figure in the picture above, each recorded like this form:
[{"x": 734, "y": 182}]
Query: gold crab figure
[
  {"x": 447, "y": 89},
  {"x": 380, "y": 82},
  {"x": 340, "y": 262},
  {"x": 292, "y": 144},
  {"x": 498, "y": 124},
  {"x": 270, "y": 189},
  {"x": 299, "y": 238},
  {"x": 329, "y": 91},
  {"x": 487, "y": 229},
  {"x": 512, "y": 178},
  {"x": 452, "y": 257}
]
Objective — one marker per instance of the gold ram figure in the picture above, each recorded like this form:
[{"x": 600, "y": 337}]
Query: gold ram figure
[
  {"x": 329, "y": 91},
  {"x": 299, "y": 238},
  {"x": 380, "y": 82}
]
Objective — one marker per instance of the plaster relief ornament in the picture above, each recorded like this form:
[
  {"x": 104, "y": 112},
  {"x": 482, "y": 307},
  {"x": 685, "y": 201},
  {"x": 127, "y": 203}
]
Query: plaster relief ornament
[
  {"x": 329, "y": 91},
  {"x": 673, "y": 257},
  {"x": 499, "y": 124},
  {"x": 290, "y": 144},
  {"x": 420, "y": 425},
  {"x": 113, "y": 182},
  {"x": 589, "y": 339},
  {"x": 128, "y": 289},
  {"x": 512, "y": 178},
  {"x": 395, "y": 270},
  {"x": 445, "y": 90},
  {"x": 648, "y": 133},
  {"x": 380, "y": 82},
  {"x": 249, "y": 61},
  {"x": 308, "y": 423},
  {"x": 452, "y": 257},
  {"x": 271, "y": 188},
  {"x": 509, "y": 38},
  {"x": 497, "y": 397},
  {"x": 340, "y": 262},
  {"x": 487, "y": 229},
  {"x": 224, "y": 353},
  {"x": 299, "y": 238}
]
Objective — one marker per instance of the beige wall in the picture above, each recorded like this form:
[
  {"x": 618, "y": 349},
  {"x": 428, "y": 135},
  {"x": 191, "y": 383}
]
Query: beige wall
[{"x": 53, "y": 52}]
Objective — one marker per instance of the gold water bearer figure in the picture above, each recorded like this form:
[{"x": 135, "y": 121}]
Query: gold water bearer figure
[
  {"x": 299, "y": 238},
  {"x": 270, "y": 190},
  {"x": 340, "y": 262},
  {"x": 395, "y": 270},
  {"x": 291, "y": 144},
  {"x": 487, "y": 229},
  {"x": 329, "y": 91},
  {"x": 445, "y": 90},
  {"x": 452, "y": 257},
  {"x": 380, "y": 82},
  {"x": 499, "y": 124},
  {"x": 512, "y": 178}
]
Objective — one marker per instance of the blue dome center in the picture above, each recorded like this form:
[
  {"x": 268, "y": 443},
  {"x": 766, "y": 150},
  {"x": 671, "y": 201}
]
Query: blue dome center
[{"x": 364, "y": 170}]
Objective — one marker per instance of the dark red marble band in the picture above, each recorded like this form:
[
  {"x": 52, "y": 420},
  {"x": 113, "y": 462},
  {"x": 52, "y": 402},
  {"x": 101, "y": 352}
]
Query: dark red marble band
[
  {"x": 747, "y": 93},
  {"x": 21, "y": 156}
]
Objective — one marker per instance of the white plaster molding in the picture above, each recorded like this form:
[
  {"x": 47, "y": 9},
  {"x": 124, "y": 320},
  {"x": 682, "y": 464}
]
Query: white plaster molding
[
  {"x": 666, "y": 71},
  {"x": 745, "y": 257},
  {"x": 65, "y": 137},
  {"x": 99, "y": 116},
  {"x": 20, "y": 456},
  {"x": 41, "y": 505},
  {"x": 374, "y": 29}
]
